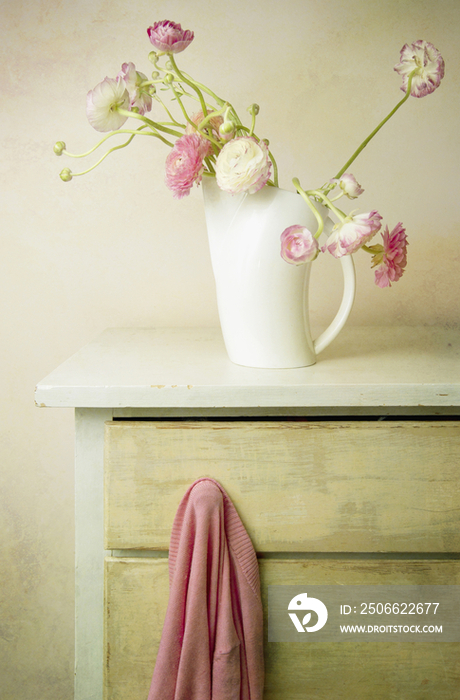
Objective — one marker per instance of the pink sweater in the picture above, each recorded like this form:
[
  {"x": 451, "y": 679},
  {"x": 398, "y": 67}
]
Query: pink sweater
[{"x": 212, "y": 642}]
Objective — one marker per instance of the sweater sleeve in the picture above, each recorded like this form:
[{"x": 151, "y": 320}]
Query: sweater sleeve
[{"x": 199, "y": 656}]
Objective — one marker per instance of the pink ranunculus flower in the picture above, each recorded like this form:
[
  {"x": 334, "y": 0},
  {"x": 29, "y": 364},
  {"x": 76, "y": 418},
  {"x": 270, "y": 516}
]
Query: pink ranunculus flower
[
  {"x": 298, "y": 245},
  {"x": 184, "y": 164},
  {"x": 214, "y": 123},
  {"x": 138, "y": 97},
  {"x": 169, "y": 37},
  {"x": 349, "y": 185},
  {"x": 348, "y": 236},
  {"x": 391, "y": 258},
  {"x": 243, "y": 165},
  {"x": 427, "y": 61},
  {"x": 103, "y": 103}
]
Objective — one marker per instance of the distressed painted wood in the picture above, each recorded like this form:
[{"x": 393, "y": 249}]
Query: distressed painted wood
[
  {"x": 136, "y": 596},
  {"x": 188, "y": 368},
  {"x": 136, "y": 600},
  {"x": 298, "y": 486},
  {"x": 89, "y": 552},
  {"x": 176, "y": 372}
]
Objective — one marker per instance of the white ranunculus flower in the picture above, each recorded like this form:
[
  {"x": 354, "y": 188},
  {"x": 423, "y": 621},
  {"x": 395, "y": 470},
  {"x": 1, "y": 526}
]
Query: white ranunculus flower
[
  {"x": 351, "y": 234},
  {"x": 428, "y": 64},
  {"x": 243, "y": 165},
  {"x": 103, "y": 103}
]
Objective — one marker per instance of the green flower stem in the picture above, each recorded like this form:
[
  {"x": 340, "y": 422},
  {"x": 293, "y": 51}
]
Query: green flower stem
[
  {"x": 334, "y": 199},
  {"x": 190, "y": 83},
  {"x": 327, "y": 202},
  {"x": 215, "y": 144},
  {"x": 204, "y": 122},
  {"x": 306, "y": 198},
  {"x": 115, "y": 148},
  {"x": 209, "y": 116},
  {"x": 137, "y": 132},
  {"x": 174, "y": 121},
  {"x": 210, "y": 166},
  {"x": 370, "y": 251},
  {"x": 156, "y": 126},
  {"x": 162, "y": 138},
  {"x": 149, "y": 83},
  {"x": 275, "y": 169},
  {"x": 180, "y": 103},
  {"x": 205, "y": 89},
  {"x": 235, "y": 116},
  {"x": 209, "y": 107},
  {"x": 253, "y": 123},
  {"x": 158, "y": 79},
  {"x": 215, "y": 97},
  {"x": 371, "y": 136}
]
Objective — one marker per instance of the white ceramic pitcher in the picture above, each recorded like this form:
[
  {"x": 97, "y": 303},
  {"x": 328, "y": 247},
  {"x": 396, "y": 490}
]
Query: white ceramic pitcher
[{"x": 262, "y": 300}]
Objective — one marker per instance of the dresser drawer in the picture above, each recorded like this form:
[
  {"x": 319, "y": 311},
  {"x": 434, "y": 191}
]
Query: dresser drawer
[
  {"x": 136, "y": 600},
  {"x": 328, "y": 486}
]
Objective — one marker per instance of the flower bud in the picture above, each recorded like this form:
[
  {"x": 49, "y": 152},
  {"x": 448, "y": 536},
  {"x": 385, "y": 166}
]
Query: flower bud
[
  {"x": 253, "y": 109},
  {"x": 349, "y": 186},
  {"x": 59, "y": 146},
  {"x": 155, "y": 74},
  {"x": 226, "y": 128},
  {"x": 168, "y": 78},
  {"x": 66, "y": 175},
  {"x": 153, "y": 57}
]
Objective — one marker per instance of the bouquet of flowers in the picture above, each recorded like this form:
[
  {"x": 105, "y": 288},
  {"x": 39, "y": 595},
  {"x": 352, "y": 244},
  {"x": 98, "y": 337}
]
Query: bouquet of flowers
[{"x": 209, "y": 139}]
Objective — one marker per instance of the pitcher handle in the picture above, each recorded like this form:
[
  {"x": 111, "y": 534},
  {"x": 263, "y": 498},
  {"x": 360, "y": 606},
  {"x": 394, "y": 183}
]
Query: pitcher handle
[{"x": 349, "y": 288}]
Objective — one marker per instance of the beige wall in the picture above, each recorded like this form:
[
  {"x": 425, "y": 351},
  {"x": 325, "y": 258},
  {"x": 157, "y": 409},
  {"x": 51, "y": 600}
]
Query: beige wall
[{"x": 114, "y": 249}]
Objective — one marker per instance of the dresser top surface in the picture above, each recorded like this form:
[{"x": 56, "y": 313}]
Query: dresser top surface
[{"x": 189, "y": 368}]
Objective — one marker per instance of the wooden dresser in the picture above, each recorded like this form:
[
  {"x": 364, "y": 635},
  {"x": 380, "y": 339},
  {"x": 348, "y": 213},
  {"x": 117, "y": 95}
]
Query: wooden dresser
[{"x": 344, "y": 473}]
